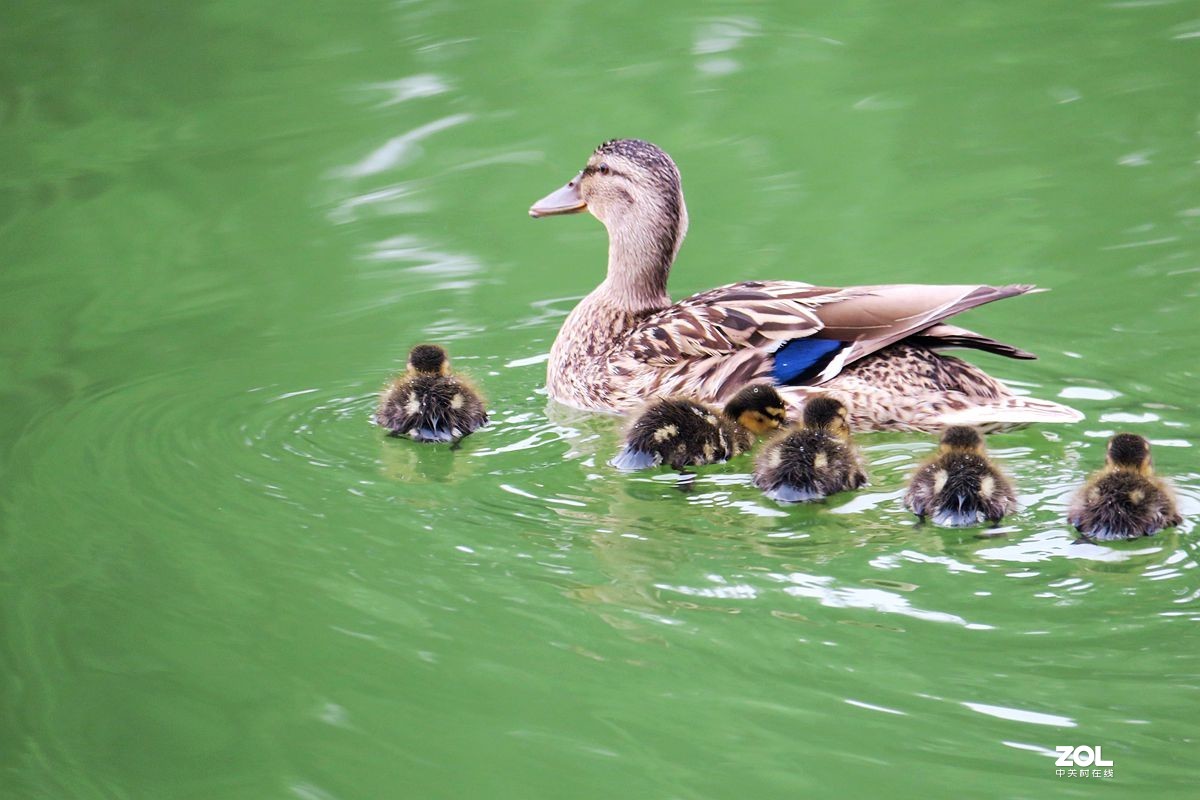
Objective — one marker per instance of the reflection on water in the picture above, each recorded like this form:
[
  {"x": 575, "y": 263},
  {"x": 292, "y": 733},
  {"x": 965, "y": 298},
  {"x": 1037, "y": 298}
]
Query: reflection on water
[
  {"x": 400, "y": 150},
  {"x": 1020, "y": 715},
  {"x": 398, "y": 91}
]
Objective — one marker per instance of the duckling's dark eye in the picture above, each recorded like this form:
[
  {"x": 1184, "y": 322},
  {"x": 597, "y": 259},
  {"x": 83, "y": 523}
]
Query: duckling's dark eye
[{"x": 603, "y": 169}]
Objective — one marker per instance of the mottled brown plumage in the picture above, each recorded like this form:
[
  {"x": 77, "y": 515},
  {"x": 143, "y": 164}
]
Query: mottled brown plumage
[
  {"x": 1125, "y": 499},
  {"x": 812, "y": 460},
  {"x": 683, "y": 433},
  {"x": 428, "y": 403},
  {"x": 626, "y": 342},
  {"x": 960, "y": 486}
]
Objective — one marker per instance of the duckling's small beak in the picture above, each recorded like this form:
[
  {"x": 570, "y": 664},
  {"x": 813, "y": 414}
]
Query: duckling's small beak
[{"x": 566, "y": 200}]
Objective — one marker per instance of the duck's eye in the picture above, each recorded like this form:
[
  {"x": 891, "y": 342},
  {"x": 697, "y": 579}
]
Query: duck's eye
[{"x": 603, "y": 169}]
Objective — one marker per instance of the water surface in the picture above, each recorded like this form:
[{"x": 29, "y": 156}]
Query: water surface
[{"x": 222, "y": 224}]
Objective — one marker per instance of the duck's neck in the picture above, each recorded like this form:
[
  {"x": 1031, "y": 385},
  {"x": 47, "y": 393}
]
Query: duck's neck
[{"x": 640, "y": 254}]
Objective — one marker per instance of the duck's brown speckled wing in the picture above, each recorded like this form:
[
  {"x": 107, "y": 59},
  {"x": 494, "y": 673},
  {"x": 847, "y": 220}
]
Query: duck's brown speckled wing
[
  {"x": 726, "y": 319},
  {"x": 715, "y": 342}
]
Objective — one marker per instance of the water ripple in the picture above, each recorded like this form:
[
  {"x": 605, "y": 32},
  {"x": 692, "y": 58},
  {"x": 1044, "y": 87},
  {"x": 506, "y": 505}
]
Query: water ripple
[{"x": 399, "y": 150}]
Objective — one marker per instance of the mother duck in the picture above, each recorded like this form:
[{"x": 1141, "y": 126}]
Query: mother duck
[{"x": 873, "y": 347}]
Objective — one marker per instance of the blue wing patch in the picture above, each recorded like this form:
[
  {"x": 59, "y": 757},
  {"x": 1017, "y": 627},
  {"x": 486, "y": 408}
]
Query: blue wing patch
[{"x": 801, "y": 359}]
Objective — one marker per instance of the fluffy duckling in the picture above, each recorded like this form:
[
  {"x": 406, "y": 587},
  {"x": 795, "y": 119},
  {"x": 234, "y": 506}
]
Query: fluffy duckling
[
  {"x": 1125, "y": 499},
  {"x": 428, "y": 403},
  {"x": 960, "y": 486},
  {"x": 813, "y": 459},
  {"x": 683, "y": 433}
]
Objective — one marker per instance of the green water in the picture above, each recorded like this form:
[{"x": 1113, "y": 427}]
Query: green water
[{"x": 222, "y": 224}]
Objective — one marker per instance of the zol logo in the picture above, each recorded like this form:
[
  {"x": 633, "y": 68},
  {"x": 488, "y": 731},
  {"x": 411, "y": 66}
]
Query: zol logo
[
  {"x": 1075, "y": 762},
  {"x": 1081, "y": 756}
]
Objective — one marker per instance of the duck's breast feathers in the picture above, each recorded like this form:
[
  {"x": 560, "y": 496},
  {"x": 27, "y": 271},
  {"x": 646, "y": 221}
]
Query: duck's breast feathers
[{"x": 744, "y": 331}]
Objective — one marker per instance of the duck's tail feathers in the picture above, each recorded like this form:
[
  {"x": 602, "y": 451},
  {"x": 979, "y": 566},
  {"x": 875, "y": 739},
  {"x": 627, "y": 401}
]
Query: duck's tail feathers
[
  {"x": 433, "y": 434},
  {"x": 630, "y": 460},
  {"x": 1107, "y": 534},
  {"x": 957, "y": 517},
  {"x": 1107, "y": 524},
  {"x": 1010, "y": 413},
  {"x": 788, "y": 493},
  {"x": 945, "y": 335}
]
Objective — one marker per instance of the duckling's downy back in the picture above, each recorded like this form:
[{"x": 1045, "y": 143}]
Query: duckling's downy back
[
  {"x": 807, "y": 464},
  {"x": 960, "y": 486},
  {"x": 428, "y": 403},
  {"x": 1123, "y": 505},
  {"x": 1125, "y": 499},
  {"x": 680, "y": 433},
  {"x": 430, "y": 408}
]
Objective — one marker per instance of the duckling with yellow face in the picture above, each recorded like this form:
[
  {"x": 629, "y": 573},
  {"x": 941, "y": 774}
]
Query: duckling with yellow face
[
  {"x": 812, "y": 460},
  {"x": 683, "y": 433},
  {"x": 428, "y": 403},
  {"x": 1125, "y": 499},
  {"x": 960, "y": 486}
]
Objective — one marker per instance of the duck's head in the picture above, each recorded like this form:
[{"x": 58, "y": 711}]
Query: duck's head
[
  {"x": 1129, "y": 451},
  {"x": 962, "y": 439},
  {"x": 633, "y": 187},
  {"x": 758, "y": 408},
  {"x": 428, "y": 359},
  {"x": 822, "y": 412}
]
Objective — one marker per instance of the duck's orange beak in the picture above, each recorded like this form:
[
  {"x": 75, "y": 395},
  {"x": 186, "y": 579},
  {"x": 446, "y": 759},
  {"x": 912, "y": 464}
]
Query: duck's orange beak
[{"x": 566, "y": 200}]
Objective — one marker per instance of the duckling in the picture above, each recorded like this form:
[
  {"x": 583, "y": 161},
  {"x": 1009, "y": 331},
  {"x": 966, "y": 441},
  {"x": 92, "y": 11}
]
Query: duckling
[
  {"x": 813, "y": 459},
  {"x": 960, "y": 486},
  {"x": 428, "y": 403},
  {"x": 682, "y": 433},
  {"x": 1124, "y": 500}
]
